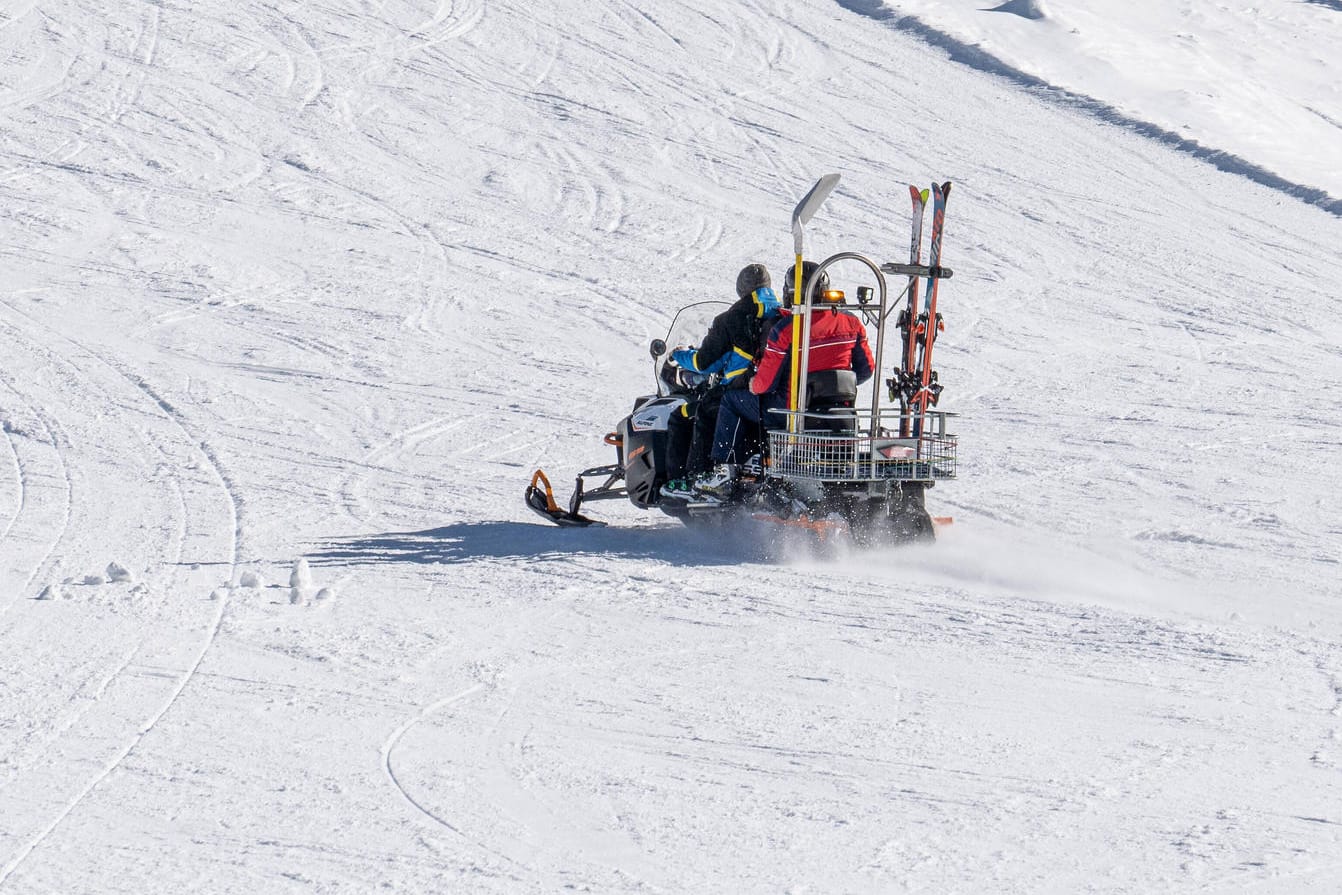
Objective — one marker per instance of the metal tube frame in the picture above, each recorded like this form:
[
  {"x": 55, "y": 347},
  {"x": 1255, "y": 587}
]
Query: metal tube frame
[{"x": 880, "y": 333}]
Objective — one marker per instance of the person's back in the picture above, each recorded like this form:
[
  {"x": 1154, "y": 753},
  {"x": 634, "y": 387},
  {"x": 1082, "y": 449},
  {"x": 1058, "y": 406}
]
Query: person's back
[{"x": 838, "y": 342}]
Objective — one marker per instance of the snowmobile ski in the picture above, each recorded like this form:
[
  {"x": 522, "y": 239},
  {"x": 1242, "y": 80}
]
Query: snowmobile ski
[{"x": 543, "y": 502}]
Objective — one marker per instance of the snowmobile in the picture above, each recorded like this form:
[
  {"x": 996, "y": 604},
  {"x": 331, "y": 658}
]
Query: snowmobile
[{"x": 841, "y": 464}]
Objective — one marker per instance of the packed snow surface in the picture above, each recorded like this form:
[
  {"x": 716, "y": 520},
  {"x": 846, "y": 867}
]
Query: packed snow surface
[
  {"x": 304, "y": 293},
  {"x": 1257, "y": 84}
]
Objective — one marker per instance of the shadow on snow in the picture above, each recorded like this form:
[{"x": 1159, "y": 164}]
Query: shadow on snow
[{"x": 467, "y": 542}]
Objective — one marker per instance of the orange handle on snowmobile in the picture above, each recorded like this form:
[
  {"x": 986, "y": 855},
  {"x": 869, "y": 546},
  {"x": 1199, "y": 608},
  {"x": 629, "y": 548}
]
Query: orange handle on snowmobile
[{"x": 549, "y": 492}]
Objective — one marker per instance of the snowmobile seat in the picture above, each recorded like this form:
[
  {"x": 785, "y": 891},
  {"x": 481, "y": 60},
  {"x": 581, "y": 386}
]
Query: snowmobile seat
[{"x": 830, "y": 397}]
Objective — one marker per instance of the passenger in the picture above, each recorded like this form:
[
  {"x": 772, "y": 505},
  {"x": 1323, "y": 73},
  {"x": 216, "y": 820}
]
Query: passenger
[
  {"x": 838, "y": 342},
  {"x": 729, "y": 349}
]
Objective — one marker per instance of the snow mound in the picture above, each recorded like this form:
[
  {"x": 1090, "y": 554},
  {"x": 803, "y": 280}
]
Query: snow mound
[
  {"x": 300, "y": 582},
  {"x": 1026, "y": 9},
  {"x": 301, "y": 576}
]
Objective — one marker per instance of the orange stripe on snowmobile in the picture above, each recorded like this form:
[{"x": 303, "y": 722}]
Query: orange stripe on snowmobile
[{"x": 821, "y": 527}]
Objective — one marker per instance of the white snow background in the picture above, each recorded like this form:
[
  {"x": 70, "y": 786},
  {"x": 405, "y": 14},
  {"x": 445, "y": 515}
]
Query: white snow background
[{"x": 294, "y": 297}]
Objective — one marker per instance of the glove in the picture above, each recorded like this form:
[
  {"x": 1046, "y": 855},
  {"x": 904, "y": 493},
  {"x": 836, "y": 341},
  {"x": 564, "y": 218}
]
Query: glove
[
  {"x": 683, "y": 357},
  {"x": 691, "y": 379}
]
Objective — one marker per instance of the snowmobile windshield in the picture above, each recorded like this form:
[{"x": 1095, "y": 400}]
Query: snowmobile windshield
[{"x": 687, "y": 330}]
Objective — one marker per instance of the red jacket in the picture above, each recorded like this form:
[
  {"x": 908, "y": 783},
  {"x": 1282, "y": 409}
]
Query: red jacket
[{"x": 838, "y": 342}]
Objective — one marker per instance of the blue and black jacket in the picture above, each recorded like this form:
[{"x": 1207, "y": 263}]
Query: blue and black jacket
[{"x": 735, "y": 339}]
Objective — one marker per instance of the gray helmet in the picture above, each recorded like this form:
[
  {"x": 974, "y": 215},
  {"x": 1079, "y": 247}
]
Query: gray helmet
[
  {"x": 807, "y": 269},
  {"x": 751, "y": 277}
]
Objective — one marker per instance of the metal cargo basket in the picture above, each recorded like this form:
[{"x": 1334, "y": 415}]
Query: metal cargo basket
[{"x": 829, "y": 457}]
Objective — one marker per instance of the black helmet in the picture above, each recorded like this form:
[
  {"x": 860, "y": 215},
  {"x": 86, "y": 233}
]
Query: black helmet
[
  {"x": 751, "y": 277},
  {"x": 808, "y": 268}
]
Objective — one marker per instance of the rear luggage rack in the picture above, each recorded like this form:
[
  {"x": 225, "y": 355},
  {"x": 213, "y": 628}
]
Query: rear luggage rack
[{"x": 840, "y": 457}]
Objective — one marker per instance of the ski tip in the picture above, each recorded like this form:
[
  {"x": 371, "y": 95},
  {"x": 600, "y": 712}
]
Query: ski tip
[{"x": 917, "y": 195}]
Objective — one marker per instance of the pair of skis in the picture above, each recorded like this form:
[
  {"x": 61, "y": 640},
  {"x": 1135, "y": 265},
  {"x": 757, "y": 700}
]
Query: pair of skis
[{"x": 916, "y": 384}]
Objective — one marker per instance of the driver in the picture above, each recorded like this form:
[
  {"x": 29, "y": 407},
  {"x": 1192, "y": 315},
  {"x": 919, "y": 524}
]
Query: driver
[{"x": 729, "y": 349}]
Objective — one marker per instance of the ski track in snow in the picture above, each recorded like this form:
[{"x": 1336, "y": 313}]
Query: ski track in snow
[
  {"x": 1111, "y": 642},
  {"x": 390, "y": 746},
  {"x": 28, "y": 475},
  {"x": 173, "y": 552},
  {"x": 18, "y": 498}
]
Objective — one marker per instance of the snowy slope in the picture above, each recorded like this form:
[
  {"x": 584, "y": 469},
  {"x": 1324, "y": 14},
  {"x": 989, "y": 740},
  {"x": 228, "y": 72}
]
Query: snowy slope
[
  {"x": 1256, "y": 87},
  {"x": 327, "y": 281}
]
